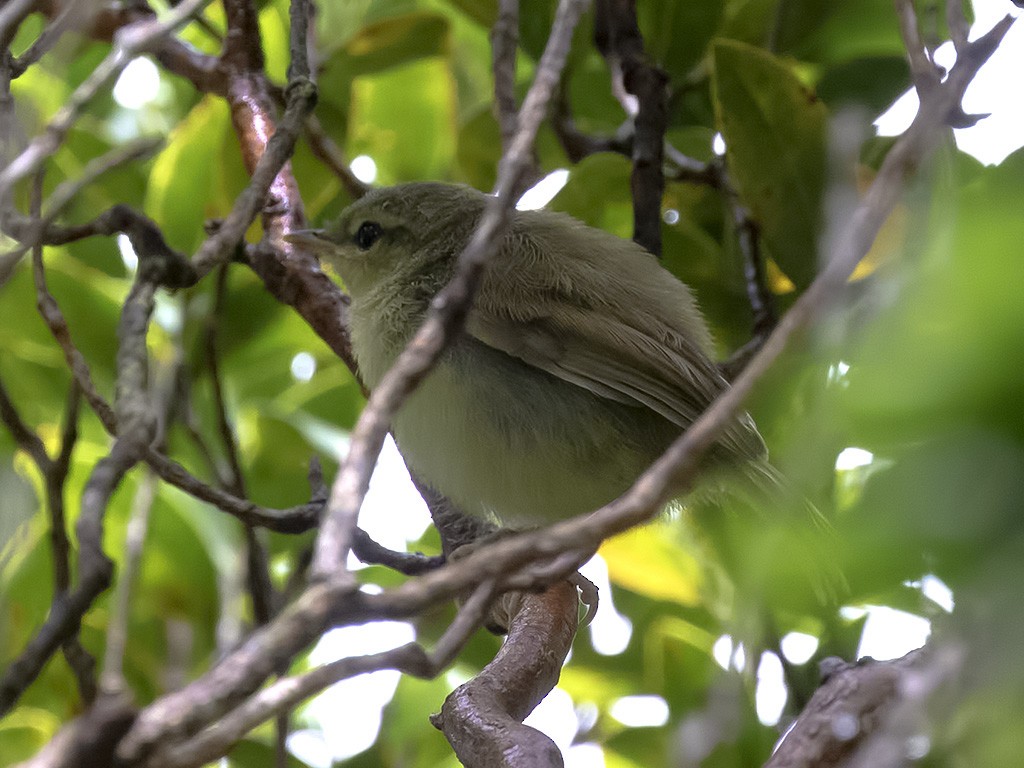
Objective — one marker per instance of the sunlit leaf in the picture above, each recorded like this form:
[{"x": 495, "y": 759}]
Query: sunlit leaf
[
  {"x": 645, "y": 561},
  {"x": 404, "y": 119},
  {"x": 185, "y": 173}
]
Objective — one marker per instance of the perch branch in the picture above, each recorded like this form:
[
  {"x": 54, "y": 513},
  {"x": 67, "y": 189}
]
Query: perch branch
[{"x": 482, "y": 719}]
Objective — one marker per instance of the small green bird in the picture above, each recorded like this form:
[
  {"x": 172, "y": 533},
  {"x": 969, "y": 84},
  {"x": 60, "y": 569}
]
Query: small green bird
[{"x": 582, "y": 358}]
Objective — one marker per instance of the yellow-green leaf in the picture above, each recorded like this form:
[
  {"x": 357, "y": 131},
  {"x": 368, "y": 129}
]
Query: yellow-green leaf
[{"x": 774, "y": 130}]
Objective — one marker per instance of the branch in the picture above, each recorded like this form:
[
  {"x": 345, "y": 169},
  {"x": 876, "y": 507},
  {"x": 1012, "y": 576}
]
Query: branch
[
  {"x": 46, "y": 40},
  {"x": 288, "y": 692},
  {"x": 105, "y": 20},
  {"x": 146, "y": 239},
  {"x": 409, "y": 563},
  {"x": 54, "y": 472},
  {"x": 334, "y": 601},
  {"x": 41, "y": 229},
  {"x": 504, "y": 42},
  {"x": 89, "y": 741},
  {"x": 852, "y": 708},
  {"x": 95, "y": 569},
  {"x": 759, "y": 295},
  {"x": 134, "y": 428},
  {"x": 112, "y": 679},
  {"x": 576, "y": 143},
  {"x": 11, "y": 16},
  {"x": 482, "y": 719},
  {"x": 672, "y": 473},
  {"x": 618, "y": 37},
  {"x": 218, "y": 247},
  {"x": 261, "y": 590},
  {"x": 26, "y": 439}
]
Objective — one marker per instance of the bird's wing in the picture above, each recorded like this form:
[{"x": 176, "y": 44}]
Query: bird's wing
[
  {"x": 626, "y": 354},
  {"x": 602, "y": 355}
]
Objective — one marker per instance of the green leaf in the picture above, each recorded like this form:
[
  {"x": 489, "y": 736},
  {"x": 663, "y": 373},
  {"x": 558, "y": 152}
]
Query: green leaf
[
  {"x": 337, "y": 23},
  {"x": 479, "y": 150},
  {"x": 25, "y": 731},
  {"x": 774, "y": 131},
  {"x": 185, "y": 174},
  {"x": 250, "y": 753},
  {"x": 647, "y": 562},
  {"x": 396, "y": 41},
  {"x": 483, "y": 12},
  {"x": 91, "y": 303},
  {"x": 274, "y": 39},
  {"x": 594, "y": 106},
  {"x": 677, "y": 34},
  {"x": 535, "y": 17},
  {"x": 469, "y": 44},
  {"x": 597, "y": 194},
  {"x": 405, "y": 120},
  {"x": 873, "y": 83},
  {"x": 868, "y": 28}
]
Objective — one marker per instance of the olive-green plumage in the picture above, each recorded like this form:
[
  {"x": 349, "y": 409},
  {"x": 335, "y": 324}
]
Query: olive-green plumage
[{"x": 581, "y": 360}]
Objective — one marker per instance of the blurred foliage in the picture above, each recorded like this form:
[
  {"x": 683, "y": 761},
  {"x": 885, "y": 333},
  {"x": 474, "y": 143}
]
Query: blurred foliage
[{"x": 917, "y": 364}]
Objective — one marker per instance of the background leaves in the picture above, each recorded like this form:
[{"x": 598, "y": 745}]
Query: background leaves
[{"x": 918, "y": 366}]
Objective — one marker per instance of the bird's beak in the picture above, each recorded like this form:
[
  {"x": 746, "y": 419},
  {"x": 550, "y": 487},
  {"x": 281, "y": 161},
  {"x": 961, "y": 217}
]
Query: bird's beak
[{"x": 315, "y": 240}]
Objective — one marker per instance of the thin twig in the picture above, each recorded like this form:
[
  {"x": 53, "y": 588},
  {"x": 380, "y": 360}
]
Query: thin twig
[
  {"x": 956, "y": 21},
  {"x": 576, "y": 143},
  {"x": 409, "y": 563},
  {"x": 47, "y": 38},
  {"x": 292, "y": 520},
  {"x": 25, "y": 438},
  {"x": 617, "y": 35},
  {"x": 236, "y": 482},
  {"x": 334, "y": 602},
  {"x": 95, "y": 569},
  {"x": 924, "y": 73},
  {"x": 218, "y": 247},
  {"x": 504, "y": 44},
  {"x": 11, "y": 15},
  {"x": 112, "y": 677},
  {"x": 286, "y": 693},
  {"x": 34, "y": 230},
  {"x": 129, "y": 42}
]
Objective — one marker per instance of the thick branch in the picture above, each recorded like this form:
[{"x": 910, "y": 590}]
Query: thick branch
[
  {"x": 843, "y": 715},
  {"x": 482, "y": 719}
]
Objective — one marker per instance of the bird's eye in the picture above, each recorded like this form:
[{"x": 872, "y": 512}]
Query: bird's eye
[{"x": 367, "y": 234}]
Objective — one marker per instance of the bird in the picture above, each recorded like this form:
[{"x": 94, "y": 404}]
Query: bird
[{"x": 581, "y": 359}]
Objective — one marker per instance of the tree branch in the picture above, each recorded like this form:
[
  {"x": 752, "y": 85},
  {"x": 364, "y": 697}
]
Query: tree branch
[
  {"x": 618, "y": 37},
  {"x": 482, "y": 719}
]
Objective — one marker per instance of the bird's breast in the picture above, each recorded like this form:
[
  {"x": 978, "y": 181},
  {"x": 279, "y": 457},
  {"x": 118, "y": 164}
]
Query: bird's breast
[{"x": 502, "y": 438}]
